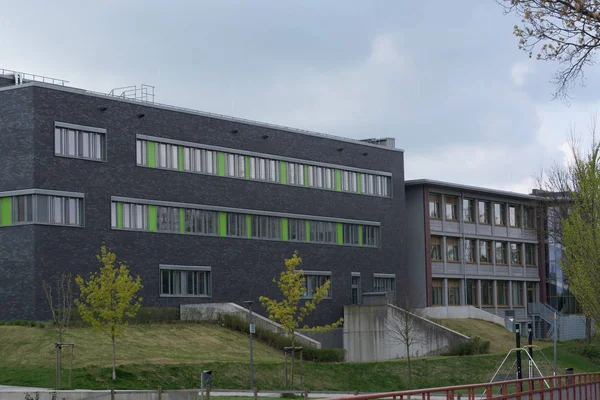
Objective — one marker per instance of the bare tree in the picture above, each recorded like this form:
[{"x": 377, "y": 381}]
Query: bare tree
[
  {"x": 60, "y": 299},
  {"x": 565, "y": 31}
]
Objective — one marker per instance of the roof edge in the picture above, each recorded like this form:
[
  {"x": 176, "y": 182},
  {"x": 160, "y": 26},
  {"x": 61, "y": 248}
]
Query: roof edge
[{"x": 417, "y": 182}]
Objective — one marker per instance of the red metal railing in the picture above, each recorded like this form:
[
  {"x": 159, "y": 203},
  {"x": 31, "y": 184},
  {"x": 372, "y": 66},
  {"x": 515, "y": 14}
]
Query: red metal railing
[{"x": 565, "y": 387}]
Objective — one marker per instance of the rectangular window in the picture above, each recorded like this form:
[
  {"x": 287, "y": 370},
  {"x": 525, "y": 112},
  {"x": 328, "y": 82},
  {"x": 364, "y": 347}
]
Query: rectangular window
[
  {"x": 141, "y": 152},
  {"x": 499, "y": 214},
  {"x": 436, "y": 248},
  {"x": 350, "y": 234},
  {"x": 453, "y": 292},
  {"x": 437, "y": 292},
  {"x": 484, "y": 212},
  {"x": 515, "y": 254},
  {"x": 22, "y": 209},
  {"x": 236, "y": 225},
  {"x": 434, "y": 206},
  {"x": 384, "y": 283},
  {"x": 313, "y": 281},
  {"x": 469, "y": 210},
  {"x": 201, "y": 222},
  {"x": 80, "y": 144},
  {"x": 323, "y": 232},
  {"x": 529, "y": 218},
  {"x": 514, "y": 216},
  {"x": 113, "y": 214},
  {"x": 168, "y": 219},
  {"x": 451, "y": 208},
  {"x": 51, "y": 209},
  {"x": 485, "y": 252},
  {"x": 185, "y": 282},
  {"x": 530, "y": 258},
  {"x": 349, "y": 181},
  {"x": 452, "y": 250},
  {"x": 487, "y": 293},
  {"x": 502, "y": 288},
  {"x": 517, "y": 293},
  {"x": 263, "y": 227},
  {"x": 472, "y": 292},
  {"x": 295, "y": 173},
  {"x": 135, "y": 216},
  {"x": 470, "y": 251},
  {"x": 356, "y": 289},
  {"x": 500, "y": 253},
  {"x": 297, "y": 230},
  {"x": 371, "y": 236}
]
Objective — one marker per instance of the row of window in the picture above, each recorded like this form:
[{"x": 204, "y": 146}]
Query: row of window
[
  {"x": 79, "y": 144},
  {"x": 481, "y": 211},
  {"x": 472, "y": 293},
  {"x": 192, "y": 159},
  {"x": 477, "y": 249},
  {"x": 44, "y": 209},
  {"x": 206, "y": 222},
  {"x": 177, "y": 281}
]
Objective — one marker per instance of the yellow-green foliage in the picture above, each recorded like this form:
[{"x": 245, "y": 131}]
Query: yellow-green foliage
[{"x": 291, "y": 311}]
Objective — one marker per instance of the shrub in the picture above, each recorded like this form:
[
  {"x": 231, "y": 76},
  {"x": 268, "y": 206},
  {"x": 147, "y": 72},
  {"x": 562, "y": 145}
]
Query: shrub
[
  {"x": 589, "y": 351},
  {"x": 472, "y": 347}
]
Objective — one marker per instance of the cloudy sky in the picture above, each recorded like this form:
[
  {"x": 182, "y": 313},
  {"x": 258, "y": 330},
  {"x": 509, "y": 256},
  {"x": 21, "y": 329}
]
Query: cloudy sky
[{"x": 445, "y": 78}]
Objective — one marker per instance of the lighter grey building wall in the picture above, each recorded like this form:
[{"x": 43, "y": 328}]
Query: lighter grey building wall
[{"x": 415, "y": 247}]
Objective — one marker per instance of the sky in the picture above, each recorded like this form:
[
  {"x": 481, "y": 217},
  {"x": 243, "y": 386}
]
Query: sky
[{"x": 445, "y": 79}]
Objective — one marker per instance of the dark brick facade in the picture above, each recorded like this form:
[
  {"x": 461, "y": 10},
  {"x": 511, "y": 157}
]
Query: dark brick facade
[{"x": 241, "y": 268}]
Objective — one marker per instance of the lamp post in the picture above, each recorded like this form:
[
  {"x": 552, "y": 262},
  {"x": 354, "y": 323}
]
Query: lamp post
[{"x": 252, "y": 330}]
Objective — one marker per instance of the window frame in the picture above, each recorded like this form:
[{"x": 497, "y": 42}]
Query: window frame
[
  {"x": 499, "y": 214},
  {"x": 61, "y": 130},
  {"x": 456, "y": 248},
  {"x": 436, "y": 212},
  {"x": 469, "y": 210},
  {"x": 185, "y": 268},
  {"x": 437, "y": 291},
  {"x": 308, "y": 294},
  {"x": 451, "y": 206},
  {"x": 355, "y": 286},
  {"x": 438, "y": 245},
  {"x": 487, "y": 215}
]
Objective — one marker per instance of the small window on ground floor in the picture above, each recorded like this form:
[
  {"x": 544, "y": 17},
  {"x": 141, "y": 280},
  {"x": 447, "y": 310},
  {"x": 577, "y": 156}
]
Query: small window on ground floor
[
  {"x": 453, "y": 292},
  {"x": 437, "y": 298},
  {"x": 186, "y": 281}
]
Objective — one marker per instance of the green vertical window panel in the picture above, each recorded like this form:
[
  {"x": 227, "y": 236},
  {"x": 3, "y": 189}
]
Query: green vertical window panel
[
  {"x": 182, "y": 220},
  {"x": 120, "y": 215},
  {"x": 306, "y": 175},
  {"x": 247, "y": 169},
  {"x": 6, "y": 216},
  {"x": 221, "y": 163},
  {"x": 249, "y": 225},
  {"x": 222, "y": 223},
  {"x": 340, "y": 233},
  {"x": 181, "y": 158},
  {"x": 358, "y": 182},
  {"x": 360, "y": 238},
  {"x": 151, "y": 154},
  {"x": 338, "y": 180},
  {"x": 284, "y": 229},
  {"x": 152, "y": 218},
  {"x": 308, "y": 231},
  {"x": 283, "y": 172}
]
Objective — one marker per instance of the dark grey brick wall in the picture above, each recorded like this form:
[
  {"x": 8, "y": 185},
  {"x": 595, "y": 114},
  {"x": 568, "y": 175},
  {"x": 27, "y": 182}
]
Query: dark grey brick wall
[{"x": 241, "y": 269}]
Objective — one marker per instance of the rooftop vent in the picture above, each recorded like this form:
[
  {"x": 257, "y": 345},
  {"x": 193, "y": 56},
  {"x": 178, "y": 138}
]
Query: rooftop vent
[
  {"x": 143, "y": 93},
  {"x": 384, "y": 142}
]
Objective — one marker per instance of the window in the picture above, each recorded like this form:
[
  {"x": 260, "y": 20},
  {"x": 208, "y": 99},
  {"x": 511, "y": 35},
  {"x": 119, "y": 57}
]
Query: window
[
  {"x": 451, "y": 208},
  {"x": 515, "y": 254},
  {"x": 517, "y": 293},
  {"x": 200, "y": 222},
  {"x": 499, "y": 214},
  {"x": 472, "y": 292},
  {"x": 264, "y": 227},
  {"x": 469, "y": 210},
  {"x": 295, "y": 174},
  {"x": 313, "y": 281},
  {"x": 528, "y": 218},
  {"x": 185, "y": 281},
  {"x": 22, "y": 209},
  {"x": 141, "y": 152},
  {"x": 350, "y": 234},
  {"x": 263, "y": 169},
  {"x": 135, "y": 216},
  {"x": 80, "y": 143},
  {"x": 168, "y": 219},
  {"x": 323, "y": 232},
  {"x": 502, "y": 288},
  {"x": 452, "y": 250},
  {"x": 200, "y": 160},
  {"x": 321, "y": 177},
  {"x": 384, "y": 283},
  {"x": 236, "y": 225},
  {"x": 371, "y": 236},
  {"x": 235, "y": 165},
  {"x": 514, "y": 216},
  {"x": 484, "y": 212},
  {"x": 487, "y": 293},
  {"x": 113, "y": 214},
  {"x": 436, "y": 248},
  {"x": 297, "y": 230},
  {"x": 356, "y": 290},
  {"x": 437, "y": 295},
  {"x": 485, "y": 252},
  {"x": 349, "y": 181},
  {"x": 530, "y": 254},
  {"x": 374, "y": 184},
  {"x": 52, "y": 209},
  {"x": 470, "y": 251},
  {"x": 453, "y": 292},
  {"x": 500, "y": 252},
  {"x": 166, "y": 156},
  {"x": 434, "y": 206}
]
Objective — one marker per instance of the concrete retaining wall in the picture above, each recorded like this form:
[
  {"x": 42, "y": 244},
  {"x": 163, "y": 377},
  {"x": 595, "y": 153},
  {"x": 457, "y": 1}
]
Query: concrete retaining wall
[
  {"x": 368, "y": 334},
  {"x": 211, "y": 311},
  {"x": 461, "y": 312}
]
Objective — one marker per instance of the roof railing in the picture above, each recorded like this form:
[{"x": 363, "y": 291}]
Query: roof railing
[{"x": 31, "y": 77}]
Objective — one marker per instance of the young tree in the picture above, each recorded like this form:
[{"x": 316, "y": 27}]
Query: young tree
[
  {"x": 109, "y": 298},
  {"x": 60, "y": 301},
  {"x": 566, "y": 31},
  {"x": 291, "y": 311}
]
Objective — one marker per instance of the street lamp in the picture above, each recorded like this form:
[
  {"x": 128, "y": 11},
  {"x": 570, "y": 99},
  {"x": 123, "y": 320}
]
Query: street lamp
[{"x": 252, "y": 330}]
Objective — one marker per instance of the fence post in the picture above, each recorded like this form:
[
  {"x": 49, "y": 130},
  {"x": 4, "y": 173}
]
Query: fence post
[
  {"x": 305, "y": 392},
  {"x": 255, "y": 393},
  {"x": 159, "y": 392},
  {"x": 112, "y": 394}
]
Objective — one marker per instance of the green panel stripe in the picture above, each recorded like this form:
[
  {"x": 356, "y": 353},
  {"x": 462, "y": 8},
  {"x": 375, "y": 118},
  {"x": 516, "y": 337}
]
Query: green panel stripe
[
  {"x": 360, "y": 239},
  {"x": 181, "y": 158},
  {"x": 247, "y": 171},
  {"x": 182, "y": 220},
  {"x": 358, "y": 182},
  {"x": 284, "y": 229},
  {"x": 338, "y": 180},
  {"x": 222, "y": 223},
  {"x": 283, "y": 172},
  {"x": 340, "y": 233},
  {"x": 249, "y": 225},
  {"x": 152, "y": 218},
  {"x": 151, "y": 154},
  {"x": 308, "y": 231},
  {"x": 6, "y": 205},
  {"x": 120, "y": 215},
  {"x": 306, "y": 175},
  {"x": 221, "y": 163}
]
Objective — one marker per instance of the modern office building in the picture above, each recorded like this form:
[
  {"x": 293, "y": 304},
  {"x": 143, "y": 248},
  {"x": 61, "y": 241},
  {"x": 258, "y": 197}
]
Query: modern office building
[
  {"x": 472, "y": 246},
  {"x": 203, "y": 207}
]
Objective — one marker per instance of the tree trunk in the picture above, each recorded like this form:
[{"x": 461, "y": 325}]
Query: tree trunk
[
  {"x": 114, "y": 372},
  {"x": 293, "y": 359},
  {"x": 409, "y": 372}
]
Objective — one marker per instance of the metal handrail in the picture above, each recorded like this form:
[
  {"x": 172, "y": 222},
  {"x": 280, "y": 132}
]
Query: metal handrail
[{"x": 32, "y": 77}]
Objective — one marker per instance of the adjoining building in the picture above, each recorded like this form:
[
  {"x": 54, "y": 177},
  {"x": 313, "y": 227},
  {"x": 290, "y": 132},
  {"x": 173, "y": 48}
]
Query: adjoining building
[
  {"x": 472, "y": 246},
  {"x": 204, "y": 207}
]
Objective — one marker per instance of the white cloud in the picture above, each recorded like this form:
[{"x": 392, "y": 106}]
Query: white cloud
[{"x": 519, "y": 72}]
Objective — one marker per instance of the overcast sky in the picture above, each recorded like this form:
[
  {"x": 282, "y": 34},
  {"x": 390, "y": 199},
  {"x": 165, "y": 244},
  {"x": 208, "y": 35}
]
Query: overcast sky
[{"x": 445, "y": 78}]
